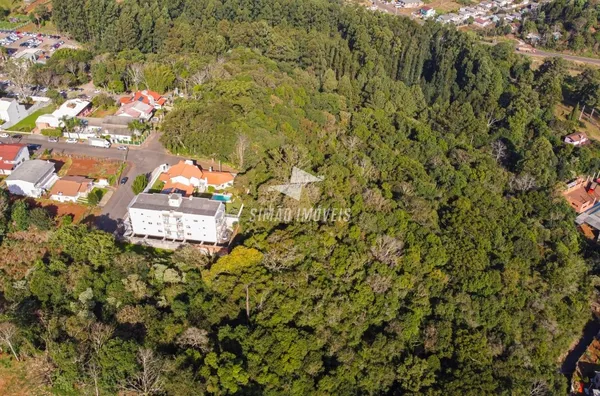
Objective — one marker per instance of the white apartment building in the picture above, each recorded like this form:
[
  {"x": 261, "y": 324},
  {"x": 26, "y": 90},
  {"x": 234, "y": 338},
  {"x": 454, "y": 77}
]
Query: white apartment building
[{"x": 173, "y": 217}]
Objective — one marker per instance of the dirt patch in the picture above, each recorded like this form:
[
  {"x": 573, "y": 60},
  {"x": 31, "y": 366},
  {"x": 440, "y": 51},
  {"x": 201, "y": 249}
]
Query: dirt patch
[
  {"x": 17, "y": 378},
  {"x": 59, "y": 209},
  {"x": 94, "y": 168},
  {"x": 36, "y": 3}
]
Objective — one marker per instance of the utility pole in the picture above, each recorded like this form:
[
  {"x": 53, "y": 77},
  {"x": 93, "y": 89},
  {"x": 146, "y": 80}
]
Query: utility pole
[{"x": 581, "y": 114}]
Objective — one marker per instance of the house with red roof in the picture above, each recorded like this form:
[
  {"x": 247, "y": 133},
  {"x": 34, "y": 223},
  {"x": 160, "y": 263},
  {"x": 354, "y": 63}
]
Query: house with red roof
[
  {"x": 136, "y": 110},
  {"x": 186, "y": 177},
  {"x": 577, "y": 139},
  {"x": 71, "y": 188},
  {"x": 148, "y": 97},
  {"x": 11, "y": 156}
]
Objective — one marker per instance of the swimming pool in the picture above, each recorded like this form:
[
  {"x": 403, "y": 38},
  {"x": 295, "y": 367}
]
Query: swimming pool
[{"x": 221, "y": 197}]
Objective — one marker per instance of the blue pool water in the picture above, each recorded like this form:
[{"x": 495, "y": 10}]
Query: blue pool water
[{"x": 221, "y": 197}]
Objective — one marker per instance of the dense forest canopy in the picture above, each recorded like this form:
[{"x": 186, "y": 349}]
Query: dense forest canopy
[{"x": 458, "y": 272}]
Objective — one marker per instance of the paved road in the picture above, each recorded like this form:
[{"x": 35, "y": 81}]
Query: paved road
[
  {"x": 573, "y": 58},
  {"x": 140, "y": 160}
]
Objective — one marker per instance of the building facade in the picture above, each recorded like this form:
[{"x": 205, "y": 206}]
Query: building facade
[
  {"x": 11, "y": 156},
  {"x": 173, "y": 217},
  {"x": 32, "y": 178}
]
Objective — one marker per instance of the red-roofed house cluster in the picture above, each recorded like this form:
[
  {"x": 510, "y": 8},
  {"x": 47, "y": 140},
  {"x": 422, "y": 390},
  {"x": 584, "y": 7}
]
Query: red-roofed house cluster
[
  {"x": 186, "y": 177},
  {"x": 141, "y": 105}
]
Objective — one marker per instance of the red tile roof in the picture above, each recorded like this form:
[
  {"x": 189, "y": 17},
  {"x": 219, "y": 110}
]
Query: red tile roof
[
  {"x": 145, "y": 96},
  {"x": 9, "y": 152}
]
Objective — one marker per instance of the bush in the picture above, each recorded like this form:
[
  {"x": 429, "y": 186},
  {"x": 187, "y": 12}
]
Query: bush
[
  {"x": 103, "y": 101},
  {"x": 52, "y": 132},
  {"x": 95, "y": 196},
  {"x": 38, "y": 217},
  {"x": 139, "y": 184}
]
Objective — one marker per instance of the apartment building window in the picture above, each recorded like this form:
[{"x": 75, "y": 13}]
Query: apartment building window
[
  {"x": 189, "y": 233},
  {"x": 149, "y": 222},
  {"x": 195, "y": 221}
]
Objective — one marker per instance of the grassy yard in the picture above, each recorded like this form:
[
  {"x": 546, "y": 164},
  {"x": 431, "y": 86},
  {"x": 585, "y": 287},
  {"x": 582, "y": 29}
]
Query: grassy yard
[
  {"x": 101, "y": 113},
  {"x": 157, "y": 187},
  {"x": 8, "y": 4},
  {"x": 28, "y": 123},
  {"x": 563, "y": 111}
]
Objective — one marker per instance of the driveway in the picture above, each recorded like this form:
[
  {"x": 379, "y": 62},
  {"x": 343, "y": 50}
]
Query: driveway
[{"x": 141, "y": 160}]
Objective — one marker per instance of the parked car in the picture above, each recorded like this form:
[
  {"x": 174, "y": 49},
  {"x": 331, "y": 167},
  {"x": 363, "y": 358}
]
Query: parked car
[
  {"x": 53, "y": 139},
  {"x": 124, "y": 180},
  {"x": 71, "y": 140},
  {"x": 4, "y": 135},
  {"x": 122, "y": 148}
]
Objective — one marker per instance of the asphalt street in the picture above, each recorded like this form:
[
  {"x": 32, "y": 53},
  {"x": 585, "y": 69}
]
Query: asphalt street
[{"x": 141, "y": 160}]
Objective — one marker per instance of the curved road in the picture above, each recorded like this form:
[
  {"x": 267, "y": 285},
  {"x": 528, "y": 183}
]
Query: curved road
[{"x": 573, "y": 58}]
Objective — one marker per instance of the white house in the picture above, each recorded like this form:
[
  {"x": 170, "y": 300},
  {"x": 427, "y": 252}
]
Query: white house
[
  {"x": 577, "y": 139},
  {"x": 427, "y": 12},
  {"x": 11, "y": 156},
  {"x": 71, "y": 188},
  {"x": 185, "y": 177},
  {"x": 136, "y": 111},
  {"x": 70, "y": 109},
  {"x": 11, "y": 111},
  {"x": 173, "y": 217},
  {"x": 32, "y": 178}
]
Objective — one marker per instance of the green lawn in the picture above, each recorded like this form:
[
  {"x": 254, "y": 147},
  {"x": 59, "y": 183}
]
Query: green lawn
[
  {"x": 157, "y": 187},
  {"x": 7, "y": 4},
  {"x": 28, "y": 123}
]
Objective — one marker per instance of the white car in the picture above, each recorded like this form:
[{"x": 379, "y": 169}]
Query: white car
[
  {"x": 4, "y": 135},
  {"x": 71, "y": 140},
  {"x": 122, "y": 147}
]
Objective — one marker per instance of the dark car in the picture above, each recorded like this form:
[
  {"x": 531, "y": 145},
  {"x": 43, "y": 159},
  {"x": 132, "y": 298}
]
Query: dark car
[{"x": 124, "y": 180}]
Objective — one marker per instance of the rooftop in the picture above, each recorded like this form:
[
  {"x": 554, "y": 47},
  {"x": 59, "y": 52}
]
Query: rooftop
[
  {"x": 9, "y": 152},
  {"x": 191, "y": 205},
  {"x": 5, "y": 103},
  {"x": 31, "y": 171},
  {"x": 71, "y": 186},
  {"x": 135, "y": 109}
]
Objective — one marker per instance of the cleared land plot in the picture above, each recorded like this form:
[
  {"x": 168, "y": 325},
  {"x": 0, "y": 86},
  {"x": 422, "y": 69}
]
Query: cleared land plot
[
  {"x": 59, "y": 209},
  {"x": 562, "y": 111},
  {"x": 94, "y": 168}
]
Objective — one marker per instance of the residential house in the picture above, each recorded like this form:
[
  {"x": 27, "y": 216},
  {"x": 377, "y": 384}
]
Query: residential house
[
  {"x": 70, "y": 109},
  {"x": 114, "y": 127},
  {"x": 11, "y": 111},
  {"x": 186, "y": 177},
  {"x": 482, "y": 23},
  {"x": 71, "y": 188},
  {"x": 32, "y": 178},
  {"x": 11, "y": 156},
  {"x": 173, "y": 217},
  {"x": 444, "y": 19},
  {"x": 582, "y": 194},
  {"x": 533, "y": 38},
  {"x": 136, "y": 110},
  {"x": 577, "y": 139},
  {"x": 148, "y": 97},
  {"x": 427, "y": 12}
]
